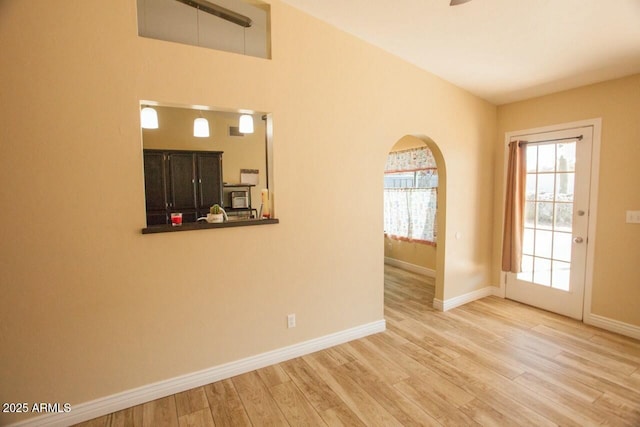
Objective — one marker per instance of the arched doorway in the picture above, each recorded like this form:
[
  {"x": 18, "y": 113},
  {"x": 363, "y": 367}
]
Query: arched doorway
[{"x": 414, "y": 165}]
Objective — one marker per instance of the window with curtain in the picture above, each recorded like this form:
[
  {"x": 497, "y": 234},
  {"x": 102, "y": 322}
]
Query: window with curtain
[{"x": 410, "y": 196}]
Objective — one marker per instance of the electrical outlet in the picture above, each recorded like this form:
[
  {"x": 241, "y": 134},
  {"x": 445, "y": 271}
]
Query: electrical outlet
[
  {"x": 633, "y": 217},
  {"x": 291, "y": 321}
]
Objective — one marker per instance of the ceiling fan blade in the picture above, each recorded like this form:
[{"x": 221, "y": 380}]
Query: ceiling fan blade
[{"x": 457, "y": 2}]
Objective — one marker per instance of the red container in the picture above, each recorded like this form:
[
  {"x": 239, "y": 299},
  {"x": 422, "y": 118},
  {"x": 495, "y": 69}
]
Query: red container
[{"x": 176, "y": 219}]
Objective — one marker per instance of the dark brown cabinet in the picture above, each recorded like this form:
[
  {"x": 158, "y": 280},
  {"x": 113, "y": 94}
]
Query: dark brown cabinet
[
  {"x": 189, "y": 182},
  {"x": 209, "y": 180}
]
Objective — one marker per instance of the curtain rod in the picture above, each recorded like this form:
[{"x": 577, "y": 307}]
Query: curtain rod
[
  {"x": 579, "y": 138},
  {"x": 219, "y": 11}
]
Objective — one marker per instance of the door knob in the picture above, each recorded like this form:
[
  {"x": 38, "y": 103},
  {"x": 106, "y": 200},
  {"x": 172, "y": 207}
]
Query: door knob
[{"x": 577, "y": 240}]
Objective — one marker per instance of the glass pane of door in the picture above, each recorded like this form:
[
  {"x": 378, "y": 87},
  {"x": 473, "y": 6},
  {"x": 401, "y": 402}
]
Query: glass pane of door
[{"x": 548, "y": 214}]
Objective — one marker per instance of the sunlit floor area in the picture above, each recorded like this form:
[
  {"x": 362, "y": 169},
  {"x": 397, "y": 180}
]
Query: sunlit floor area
[{"x": 491, "y": 362}]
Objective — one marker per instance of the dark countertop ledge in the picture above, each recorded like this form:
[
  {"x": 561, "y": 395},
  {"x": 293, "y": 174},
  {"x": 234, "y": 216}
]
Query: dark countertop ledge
[{"x": 189, "y": 226}]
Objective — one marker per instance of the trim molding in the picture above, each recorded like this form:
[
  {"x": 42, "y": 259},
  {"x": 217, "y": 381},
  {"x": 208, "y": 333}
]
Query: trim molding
[
  {"x": 596, "y": 124},
  {"x": 612, "y": 325},
  {"x": 410, "y": 267},
  {"x": 463, "y": 299},
  {"x": 499, "y": 291},
  {"x": 106, "y": 405},
  {"x": 454, "y": 302},
  {"x": 596, "y": 320}
]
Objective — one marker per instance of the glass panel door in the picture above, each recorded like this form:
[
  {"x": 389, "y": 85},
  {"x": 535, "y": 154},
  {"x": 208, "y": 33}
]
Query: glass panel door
[{"x": 556, "y": 222}]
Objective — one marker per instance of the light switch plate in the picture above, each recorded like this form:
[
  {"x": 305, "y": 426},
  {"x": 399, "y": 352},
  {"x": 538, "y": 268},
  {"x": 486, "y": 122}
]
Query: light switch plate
[{"x": 633, "y": 217}]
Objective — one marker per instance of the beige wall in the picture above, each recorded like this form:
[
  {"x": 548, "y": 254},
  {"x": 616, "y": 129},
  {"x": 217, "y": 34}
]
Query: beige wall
[
  {"x": 413, "y": 253},
  {"x": 91, "y": 307},
  {"x": 616, "y": 274}
]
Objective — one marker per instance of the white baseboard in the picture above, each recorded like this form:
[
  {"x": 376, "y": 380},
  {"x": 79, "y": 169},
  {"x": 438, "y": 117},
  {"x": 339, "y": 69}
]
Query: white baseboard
[
  {"x": 410, "y": 267},
  {"x": 106, "y": 405},
  {"x": 596, "y": 320},
  {"x": 499, "y": 291},
  {"x": 450, "y": 303},
  {"x": 439, "y": 304},
  {"x": 612, "y": 325}
]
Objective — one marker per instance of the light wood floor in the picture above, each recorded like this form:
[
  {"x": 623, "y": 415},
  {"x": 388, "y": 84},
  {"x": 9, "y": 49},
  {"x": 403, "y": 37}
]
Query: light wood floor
[{"x": 492, "y": 362}]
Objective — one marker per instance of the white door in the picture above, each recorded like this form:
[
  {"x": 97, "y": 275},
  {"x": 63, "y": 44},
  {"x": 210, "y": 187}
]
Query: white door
[{"x": 555, "y": 239}]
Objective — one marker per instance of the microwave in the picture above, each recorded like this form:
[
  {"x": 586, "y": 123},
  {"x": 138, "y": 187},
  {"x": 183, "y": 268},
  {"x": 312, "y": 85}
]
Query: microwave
[{"x": 239, "y": 199}]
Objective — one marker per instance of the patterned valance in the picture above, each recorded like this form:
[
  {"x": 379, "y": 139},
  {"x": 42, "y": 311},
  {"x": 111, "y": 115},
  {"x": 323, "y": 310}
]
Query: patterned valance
[{"x": 410, "y": 160}]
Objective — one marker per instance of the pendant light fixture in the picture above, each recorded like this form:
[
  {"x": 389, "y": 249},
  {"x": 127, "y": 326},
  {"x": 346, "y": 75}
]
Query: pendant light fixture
[
  {"x": 201, "y": 127},
  {"x": 149, "y": 118},
  {"x": 246, "y": 123}
]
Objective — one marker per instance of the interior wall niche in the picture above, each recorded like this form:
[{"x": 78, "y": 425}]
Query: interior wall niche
[
  {"x": 173, "y": 20},
  {"x": 237, "y": 158}
]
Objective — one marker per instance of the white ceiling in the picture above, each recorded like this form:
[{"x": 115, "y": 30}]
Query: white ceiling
[{"x": 500, "y": 50}]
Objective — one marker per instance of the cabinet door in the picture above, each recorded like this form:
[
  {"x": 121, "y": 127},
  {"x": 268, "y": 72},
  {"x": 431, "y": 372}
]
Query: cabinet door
[
  {"x": 154, "y": 181},
  {"x": 157, "y": 218},
  {"x": 182, "y": 177},
  {"x": 209, "y": 180}
]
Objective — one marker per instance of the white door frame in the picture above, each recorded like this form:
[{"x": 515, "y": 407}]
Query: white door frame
[{"x": 593, "y": 198}]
